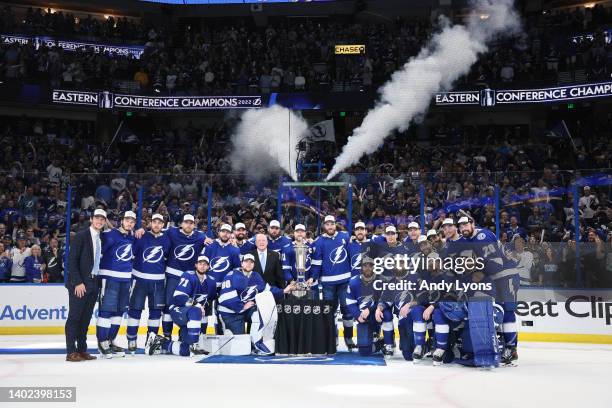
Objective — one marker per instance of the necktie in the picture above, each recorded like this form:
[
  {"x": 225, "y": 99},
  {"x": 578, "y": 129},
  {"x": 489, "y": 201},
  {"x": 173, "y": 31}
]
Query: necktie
[
  {"x": 262, "y": 260},
  {"x": 96, "y": 266}
]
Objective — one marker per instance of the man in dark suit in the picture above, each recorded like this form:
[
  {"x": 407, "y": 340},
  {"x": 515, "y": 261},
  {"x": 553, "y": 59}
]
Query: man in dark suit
[
  {"x": 83, "y": 285},
  {"x": 268, "y": 263}
]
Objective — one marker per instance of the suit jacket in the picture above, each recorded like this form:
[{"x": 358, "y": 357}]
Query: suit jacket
[
  {"x": 273, "y": 275},
  {"x": 81, "y": 261}
]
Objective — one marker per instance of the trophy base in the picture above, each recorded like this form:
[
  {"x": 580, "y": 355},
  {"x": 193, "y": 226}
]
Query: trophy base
[{"x": 300, "y": 293}]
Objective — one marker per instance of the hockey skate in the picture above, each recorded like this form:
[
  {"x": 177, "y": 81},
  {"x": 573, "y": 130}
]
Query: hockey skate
[
  {"x": 105, "y": 349},
  {"x": 350, "y": 344},
  {"x": 509, "y": 357},
  {"x": 260, "y": 349},
  {"x": 116, "y": 350},
  {"x": 438, "y": 356},
  {"x": 417, "y": 354},
  {"x": 154, "y": 345},
  {"x": 132, "y": 347},
  {"x": 196, "y": 350},
  {"x": 388, "y": 350}
]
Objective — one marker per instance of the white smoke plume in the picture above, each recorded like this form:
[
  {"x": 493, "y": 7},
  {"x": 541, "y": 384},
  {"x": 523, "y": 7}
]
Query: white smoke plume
[
  {"x": 449, "y": 55},
  {"x": 265, "y": 140}
]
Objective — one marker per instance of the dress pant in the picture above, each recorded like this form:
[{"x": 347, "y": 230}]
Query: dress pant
[{"x": 79, "y": 315}]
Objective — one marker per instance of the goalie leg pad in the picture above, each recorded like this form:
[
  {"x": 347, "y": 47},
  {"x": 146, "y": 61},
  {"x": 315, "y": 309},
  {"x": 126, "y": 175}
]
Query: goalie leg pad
[
  {"x": 263, "y": 320},
  {"x": 482, "y": 333}
]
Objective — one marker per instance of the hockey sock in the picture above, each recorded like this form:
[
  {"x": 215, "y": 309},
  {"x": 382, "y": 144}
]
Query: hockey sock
[
  {"x": 348, "y": 328},
  {"x": 387, "y": 328},
  {"x": 115, "y": 324},
  {"x": 167, "y": 324},
  {"x": 153, "y": 322},
  {"x": 103, "y": 325},
  {"x": 133, "y": 323},
  {"x": 509, "y": 328},
  {"x": 441, "y": 328},
  {"x": 194, "y": 325}
]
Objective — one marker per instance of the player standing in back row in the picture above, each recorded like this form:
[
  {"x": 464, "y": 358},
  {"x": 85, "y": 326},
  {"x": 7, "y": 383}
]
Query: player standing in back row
[
  {"x": 150, "y": 254},
  {"x": 116, "y": 279},
  {"x": 332, "y": 267}
]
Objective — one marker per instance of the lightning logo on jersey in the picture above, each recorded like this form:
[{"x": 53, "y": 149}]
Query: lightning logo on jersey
[
  {"x": 184, "y": 252},
  {"x": 366, "y": 302},
  {"x": 124, "y": 252},
  {"x": 220, "y": 264},
  {"x": 249, "y": 293},
  {"x": 153, "y": 254},
  {"x": 338, "y": 255},
  {"x": 356, "y": 261},
  {"x": 201, "y": 299}
]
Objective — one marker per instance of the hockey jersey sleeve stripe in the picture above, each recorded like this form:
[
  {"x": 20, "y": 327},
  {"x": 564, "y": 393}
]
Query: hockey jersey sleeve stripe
[
  {"x": 316, "y": 262},
  {"x": 115, "y": 274},
  {"x": 148, "y": 276},
  {"x": 336, "y": 278},
  {"x": 228, "y": 296},
  {"x": 173, "y": 271}
]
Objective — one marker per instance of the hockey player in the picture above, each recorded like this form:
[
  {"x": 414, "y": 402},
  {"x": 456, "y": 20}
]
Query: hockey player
[
  {"x": 223, "y": 256},
  {"x": 357, "y": 247},
  {"x": 299, "y": 236},
  {"x": 279, "y": 243},
  {"x": 190, "y": 304},
  {"x": 244, "y": 244},
  {"x": 454, "y": 242},
  {"x": 435, "y": 240},
  {"x": 150, "y": 254},
  {"x": 503, "y": 273},
  {"x": 414, "y": 232},
  {"x": 426, "y": 309},
  {"x": 362, "y": 298},
  {"x": 237, "y": 299},
  {"x": 399, "y": 301},
  {"x": 331, "y": 266},
  {"x": 116, "y": 277}
]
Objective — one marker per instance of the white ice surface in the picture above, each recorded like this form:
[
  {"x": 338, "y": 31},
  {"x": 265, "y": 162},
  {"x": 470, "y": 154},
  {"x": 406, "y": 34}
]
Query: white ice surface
[{"x": 551, "y": 375}]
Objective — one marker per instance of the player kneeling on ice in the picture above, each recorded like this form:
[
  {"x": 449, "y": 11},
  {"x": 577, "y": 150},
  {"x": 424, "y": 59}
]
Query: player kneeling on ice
[
  {"x": 362, "y": 298},
  {"x": 245, "y": 297},
  {"x": 190, "y": 306}
]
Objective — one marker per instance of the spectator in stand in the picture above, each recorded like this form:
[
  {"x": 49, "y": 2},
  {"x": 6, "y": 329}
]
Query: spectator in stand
[
  {"x": 18, "y": 257},
  {"x": 34, "y": 266},
  {"x": 5, "y": 264}
]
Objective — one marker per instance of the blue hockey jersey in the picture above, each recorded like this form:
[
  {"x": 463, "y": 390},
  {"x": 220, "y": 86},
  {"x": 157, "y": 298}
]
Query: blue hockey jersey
[
  {"x": 330, "y": 261},
  {"x": 223, "y": 258},
  {"x": 191, "y": 291},
  {"x": 455, "y": 248},
  {"x": 356, "y": 249},
  {"x": 150, "y": 254},
  {"x": 485, "y": 245},
  {"x": 237, "y": 289},
  {"x": 246, "y": 247},
  {"x": 184, "y": 251},
  {"x": 282, "y": 245},
  {"x": 116, "y": 262},
  {"x": 361, "y": 294}
]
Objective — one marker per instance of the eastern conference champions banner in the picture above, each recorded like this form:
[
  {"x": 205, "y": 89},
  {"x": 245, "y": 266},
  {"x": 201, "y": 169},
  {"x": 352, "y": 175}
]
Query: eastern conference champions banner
[
  {"x": 125, "y": 50},
  {"x": 491, "y": 97},
  {"x": 109, "y": 100}
]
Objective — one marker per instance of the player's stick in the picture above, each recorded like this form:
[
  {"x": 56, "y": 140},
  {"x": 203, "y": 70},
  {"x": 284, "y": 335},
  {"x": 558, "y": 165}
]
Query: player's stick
[{"x": 218, "y": 349}]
